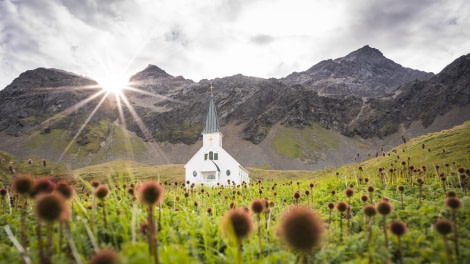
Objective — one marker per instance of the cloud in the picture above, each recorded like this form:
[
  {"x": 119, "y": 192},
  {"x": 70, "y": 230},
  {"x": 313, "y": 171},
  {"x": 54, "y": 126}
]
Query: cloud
[{"x": 209, "y": 39}]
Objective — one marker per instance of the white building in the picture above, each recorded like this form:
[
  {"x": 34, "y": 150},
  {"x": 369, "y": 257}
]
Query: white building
[{"x": 212, "y": 164}]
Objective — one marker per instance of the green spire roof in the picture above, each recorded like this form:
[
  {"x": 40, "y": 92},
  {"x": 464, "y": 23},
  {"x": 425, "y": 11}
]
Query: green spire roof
[{"x": 212, "y": 122}]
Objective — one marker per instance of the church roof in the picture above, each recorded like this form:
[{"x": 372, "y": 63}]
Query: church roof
[{"x": 212, "y": 122}]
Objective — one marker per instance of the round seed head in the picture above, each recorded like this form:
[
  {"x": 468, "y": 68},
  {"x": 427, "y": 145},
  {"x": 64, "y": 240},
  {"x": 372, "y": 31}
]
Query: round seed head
[
  {"x": 101, "y": 192},
  {"x": 451, "y": 193},
  {"x": 105, "y": 256},
  {"x": 3, "y": 192},
  {"x": 384, "y": 208},
  {"x": 23, "y": 184},
  {"x": 420, "y": 181},
  {"x": 341, "y": 207},
  {"x": 364, "y": 198},
  {"x": 369, "y": 210},
  {"x": 461, "y": 170},
  {"x": 150, "y": 193},
  {"x": 398, "y": 228},
  {"x": 130, "y": 191},
  {"x": 301, "y": 228},
  {"x": 331, "y": 205},
  {"x": 370, "y": 188},
  {"x": 49, "y": 207},
  {"x": 257, "y": 206},
  {"x": 65, "y": 190},
  {"x": 453, "y": 203},
  {"x": 41, "y": 186},
  {"x": 297, "y": 195},
  {"x": 401, "y": 188},
  {"x": 239, "y": 221},
  {"x": 349, "y": 192},
  {"x": 95, "y": 183},
  {"x": 333, "y": 192},
  {"x": 443, "y": 226}
]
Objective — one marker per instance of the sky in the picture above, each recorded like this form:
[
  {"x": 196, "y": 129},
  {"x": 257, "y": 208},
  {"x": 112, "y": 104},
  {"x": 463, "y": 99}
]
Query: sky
[{"x": 206, "y": 39}]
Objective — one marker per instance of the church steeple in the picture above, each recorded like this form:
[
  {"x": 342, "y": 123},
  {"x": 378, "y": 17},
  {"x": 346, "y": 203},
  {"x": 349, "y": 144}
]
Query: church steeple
[{"x": 212, "y": 121}]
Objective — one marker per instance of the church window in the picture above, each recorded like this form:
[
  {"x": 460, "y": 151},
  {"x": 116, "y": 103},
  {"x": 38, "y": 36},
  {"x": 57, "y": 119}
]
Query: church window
[
  {"x": 211, "y": 155},
  {"x": 194, "y": 173},
  {"x": 227, "y": 172},
  {"x": 216, "y": 156},
  {"x": 205, "y": 156}
]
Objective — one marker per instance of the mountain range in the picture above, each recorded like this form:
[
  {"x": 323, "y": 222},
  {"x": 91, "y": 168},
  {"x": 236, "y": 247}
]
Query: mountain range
[{"x": 335, "y": 112}]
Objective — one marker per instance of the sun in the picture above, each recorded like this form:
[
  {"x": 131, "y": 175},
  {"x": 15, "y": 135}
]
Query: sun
[{"x": 113, "y": 83}]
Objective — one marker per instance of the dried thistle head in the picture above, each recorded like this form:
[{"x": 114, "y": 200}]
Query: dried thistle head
[
  {"x": 150, "y": 193},
  {"x": 301, "y": 228},
  {"x": 101, "y": 192},
  {"x": 369, "y": 210},
  {"x": 257, "y": 206},
  {"x": 65, "y": 190},
  {"x": 239, "y": 221},
  {"x": 384, "y": 208},
  {"x": 105, "y": 256},
  {"x": 349, "y": 192},
  {"x": 23, "y": 184},
  {"x": 398, "y": 228},
  {"x": 453, "y": 203},
  {"x": 341, "y": 207},
  {"x": 42, "y": 186},
  {"x": 443, "y": 226},
  {"x": 49, "y": 207}
]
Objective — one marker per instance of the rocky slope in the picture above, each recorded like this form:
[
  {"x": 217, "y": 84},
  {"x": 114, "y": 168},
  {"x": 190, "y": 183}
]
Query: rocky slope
[{"x": 363, "y": 99}]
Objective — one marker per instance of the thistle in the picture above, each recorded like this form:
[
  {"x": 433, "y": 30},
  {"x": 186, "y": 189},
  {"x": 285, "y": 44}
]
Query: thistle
[
  {"x": 237, "y": 224},
  {"x": 257, "y": 207},
  {"x": 105, "y": 256},
  {"x": 301, "y": 229},
  {"x": 454, "y": 204},
  {"x": 3, "y": 194},
  {"x": 384, "y": 208},
  {"x": 330, "y": 206},
  {"x": 399, "y": 229},
  {"x": 370, "y": 211},
  {"x": 370, "y": 190},
  {"x": 101, "y": 192},
  {"x": 341, "y": 207},
  {"x": 444, "y": 227},
  {"x": 401, "y": 188},
  {"x": 151, "y": 194},
  {"x": 49, "y": 208}
]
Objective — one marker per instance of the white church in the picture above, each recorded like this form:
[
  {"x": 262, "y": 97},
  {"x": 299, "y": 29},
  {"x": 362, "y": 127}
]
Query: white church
[{"x": 212, "y": 165}]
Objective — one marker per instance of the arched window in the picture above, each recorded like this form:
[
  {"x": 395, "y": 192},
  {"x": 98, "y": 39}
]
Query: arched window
[
  {"x": 205, "y": 156},
  {"x": 211, "y": 155},
  {"x": 216, "y": 156}
]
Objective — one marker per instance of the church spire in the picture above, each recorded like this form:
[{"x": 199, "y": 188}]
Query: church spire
[{"x": 212, "y": 121}]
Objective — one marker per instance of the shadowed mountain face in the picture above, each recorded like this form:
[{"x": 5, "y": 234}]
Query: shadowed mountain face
[{"x": 362, "y": 94}]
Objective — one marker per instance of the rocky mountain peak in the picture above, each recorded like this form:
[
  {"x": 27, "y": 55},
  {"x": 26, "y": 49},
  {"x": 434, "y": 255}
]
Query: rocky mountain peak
[
  {"x": 365, "y": 72},
  {"x": 150, "y": 72}
]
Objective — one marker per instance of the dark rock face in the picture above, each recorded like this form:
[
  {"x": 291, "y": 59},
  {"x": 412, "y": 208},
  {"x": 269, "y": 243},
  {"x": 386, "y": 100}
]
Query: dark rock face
[
  {"x": 364, "y": 72},
  {"x": 361, "y": 94}
]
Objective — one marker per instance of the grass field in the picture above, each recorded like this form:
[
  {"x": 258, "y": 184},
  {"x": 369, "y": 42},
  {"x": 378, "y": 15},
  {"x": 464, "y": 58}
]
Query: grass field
[{"x": 414, "y": 178}]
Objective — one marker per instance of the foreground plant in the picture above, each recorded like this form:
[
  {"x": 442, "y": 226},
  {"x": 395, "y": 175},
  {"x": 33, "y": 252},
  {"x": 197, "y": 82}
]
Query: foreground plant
[
  {"x": 105, "y": 256},
  {"x": 237, "y": 224},
  {"x": 150, "y": 194},
  {"x": 398, "y": 228},
  {"x": 384, "y": 208},
  {"x": 444, "y": 227},
  {"x": 302, "y": 230},
  {"x": 257, "y": 207},
  {"x": 49, "y": 208},
  {"x": 454, "y": 203}
]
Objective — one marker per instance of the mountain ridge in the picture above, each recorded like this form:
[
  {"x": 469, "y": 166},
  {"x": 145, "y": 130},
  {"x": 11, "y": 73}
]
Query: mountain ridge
[{"x": 253, "y": 107}]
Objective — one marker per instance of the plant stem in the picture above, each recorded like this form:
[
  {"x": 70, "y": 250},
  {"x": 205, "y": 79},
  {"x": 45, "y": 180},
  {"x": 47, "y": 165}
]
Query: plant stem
[
  {"x": 456, "y": 238},
  {"x": 384, "y": 224}
]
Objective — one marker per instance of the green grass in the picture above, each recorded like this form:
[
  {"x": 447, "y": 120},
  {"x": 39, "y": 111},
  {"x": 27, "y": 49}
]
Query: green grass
[
  {"x": 188, "y": 234},
  {"x": 304, "y": 143}
]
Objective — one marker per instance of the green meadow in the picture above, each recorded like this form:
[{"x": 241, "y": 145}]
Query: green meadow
[{"x": 423, "y": 180}]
